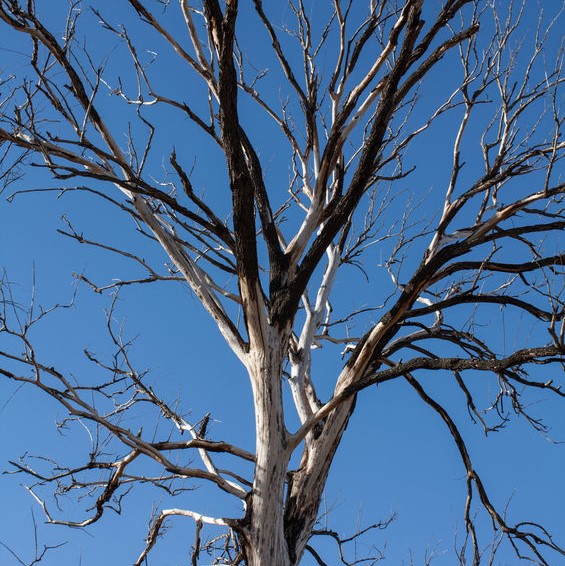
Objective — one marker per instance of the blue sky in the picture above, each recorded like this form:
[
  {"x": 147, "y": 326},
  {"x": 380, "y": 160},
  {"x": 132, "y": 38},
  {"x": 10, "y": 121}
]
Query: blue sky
[{"x": 396, "y": 458}]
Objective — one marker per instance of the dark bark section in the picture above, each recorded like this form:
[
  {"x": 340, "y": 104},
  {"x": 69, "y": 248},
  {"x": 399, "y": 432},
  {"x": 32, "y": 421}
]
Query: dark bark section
[
  {"x": 222, "y": 27},
  {"x": 278, "y": 273},
  {"x": 339, "y": 210},
  {"x": 244, "y": 167}
]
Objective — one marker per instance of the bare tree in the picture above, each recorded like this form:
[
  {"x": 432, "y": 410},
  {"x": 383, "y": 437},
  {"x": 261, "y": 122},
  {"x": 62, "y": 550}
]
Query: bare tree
[{"x": 346, "y": 91}]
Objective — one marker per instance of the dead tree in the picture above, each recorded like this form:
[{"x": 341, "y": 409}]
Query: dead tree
[{"x": 342, "y": 91}]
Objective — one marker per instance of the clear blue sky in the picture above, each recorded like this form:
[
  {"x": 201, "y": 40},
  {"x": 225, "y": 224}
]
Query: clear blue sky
[{"x": 396, "y": 457}]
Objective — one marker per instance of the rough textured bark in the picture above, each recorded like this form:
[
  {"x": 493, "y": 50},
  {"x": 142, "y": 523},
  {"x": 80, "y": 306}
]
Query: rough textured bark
[
  {"x": 263, "y": 526},
  {"x": 308, "y": 483}
]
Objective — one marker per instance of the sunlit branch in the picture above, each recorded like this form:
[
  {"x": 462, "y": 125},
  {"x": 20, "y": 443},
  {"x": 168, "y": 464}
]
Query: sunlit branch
[{"x": 158, "y": 523}]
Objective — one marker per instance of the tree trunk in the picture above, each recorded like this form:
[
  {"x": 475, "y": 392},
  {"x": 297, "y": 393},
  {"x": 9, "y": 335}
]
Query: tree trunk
[
  {"x": 264, "y": 540},
  {"x": 308, "y": 483},
  {"x": 275, "y": 531}
]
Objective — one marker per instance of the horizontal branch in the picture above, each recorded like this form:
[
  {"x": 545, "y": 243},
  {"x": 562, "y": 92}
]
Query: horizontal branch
[
  {"x": 558, "y": 259},
  {"x": 474, "y": 299},
  {"x": 208, "y": 445},
  {"x": 542, "y": 355}
]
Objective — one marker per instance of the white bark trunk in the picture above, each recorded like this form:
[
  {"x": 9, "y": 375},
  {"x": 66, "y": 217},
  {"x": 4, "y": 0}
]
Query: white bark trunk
[{"x": 264, "y": 533}]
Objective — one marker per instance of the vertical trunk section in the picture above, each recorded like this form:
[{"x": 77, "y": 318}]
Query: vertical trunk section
[
  {"x": 307, "y": 486},
  {"x": 264, "y": 541}
]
